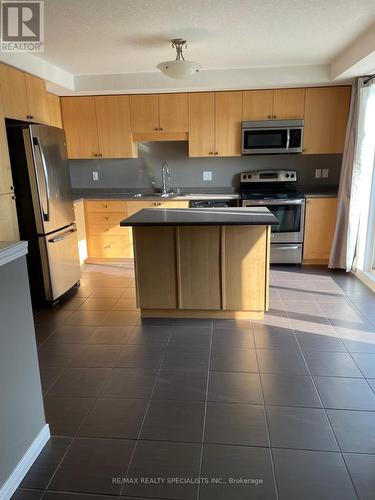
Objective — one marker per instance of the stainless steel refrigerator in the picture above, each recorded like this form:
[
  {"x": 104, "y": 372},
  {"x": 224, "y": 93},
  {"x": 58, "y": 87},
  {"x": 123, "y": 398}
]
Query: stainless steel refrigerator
[{"x": 45, "y": 208}]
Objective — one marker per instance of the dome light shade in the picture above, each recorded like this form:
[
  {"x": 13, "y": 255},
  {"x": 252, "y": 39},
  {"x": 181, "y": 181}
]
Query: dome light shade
[{"x": 179, "y": 68}]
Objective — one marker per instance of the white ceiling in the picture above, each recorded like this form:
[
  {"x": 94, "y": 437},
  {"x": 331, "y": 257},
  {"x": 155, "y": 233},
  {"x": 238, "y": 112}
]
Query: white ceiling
[
  {"x": 131, "y": 36},
  {"x": 112, "y": 45}
]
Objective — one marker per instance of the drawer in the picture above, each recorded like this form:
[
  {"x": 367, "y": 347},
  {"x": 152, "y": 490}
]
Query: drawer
[
  {"x": 173, "y": 204},
  {"x": 110, "y": 247},
  {"x": 135, "y": 206},
  {"x": 112, "y": 218},
  {"x": 108, "y": 230},
  {"x": 106, "y": 206}
]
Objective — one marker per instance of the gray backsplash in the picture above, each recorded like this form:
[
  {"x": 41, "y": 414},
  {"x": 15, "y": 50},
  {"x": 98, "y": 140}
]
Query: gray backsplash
[{"x": 145, "y": 171}]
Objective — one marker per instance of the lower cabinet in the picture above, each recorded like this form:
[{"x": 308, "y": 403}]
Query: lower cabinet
[
  {"x": 8, "y": 218},
  {"x": 320, "y": 221},
  {"x": 106, "y": 239}
]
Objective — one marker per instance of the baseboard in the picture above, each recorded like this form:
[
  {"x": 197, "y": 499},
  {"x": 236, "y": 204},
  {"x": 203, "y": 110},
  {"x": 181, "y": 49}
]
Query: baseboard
[{"x": 23, "y": 466}]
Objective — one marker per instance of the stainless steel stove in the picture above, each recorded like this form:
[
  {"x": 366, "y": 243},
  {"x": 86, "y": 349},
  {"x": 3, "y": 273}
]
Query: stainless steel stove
[{"x": 277, "y": 190}]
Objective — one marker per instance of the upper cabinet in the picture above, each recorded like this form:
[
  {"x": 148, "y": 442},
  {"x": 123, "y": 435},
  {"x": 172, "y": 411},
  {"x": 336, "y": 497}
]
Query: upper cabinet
[
  {"x": 257, "y": 105},
  {"x": 215, "y": 124},
  {"x": 281, "y": 104},
  {"x": 326, "y": 114},
  {"x": 79, "y": 120},
  {"x": 25, "y": 96},
  {"x": 166, "y": 113},
  {"x": 37, "y": 99},
  {"x": 228, "y": 116},
  {"x": 97, "y": 126},
  {"x": 54, "y": 108},
  {"x": 288, "y": 104},
  {"x": 13, "y": 87},
  {"x": 202, "y": 124},
  {"x": 113, "y": 121},
  {"x": 144, "y": 112}
]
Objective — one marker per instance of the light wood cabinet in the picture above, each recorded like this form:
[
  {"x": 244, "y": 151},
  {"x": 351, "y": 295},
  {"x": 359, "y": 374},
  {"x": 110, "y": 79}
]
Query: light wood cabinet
[
  {"x": 37, "y": 99},
  {"x": 106, "y": 239},
  {"x": 228, "y": 116},
  {"x": 13, "y": 87},
  {"x": 97, "y": 127},
  {"x": 202, "y": 124},
  {"x": 6, "y": 181},
  {"x": 144, "y": 112},
  {"x": 113, "y": 121},
  {"x": 288, "y": 104},
  {"x": 279, "y": 104},
  {"x": 215, "y": 124},
  {"x": 8, "y": 218},
  {"x": 165, "y": 113},
  {"x": 257, "y": 105},
  {"x": 173, "y": 112},
  {"x": 320, "y": 221},
  {"x": 54, "y": 108},
  {"x": 79, "y": 120},
  {"x": 326, "y": 115}
]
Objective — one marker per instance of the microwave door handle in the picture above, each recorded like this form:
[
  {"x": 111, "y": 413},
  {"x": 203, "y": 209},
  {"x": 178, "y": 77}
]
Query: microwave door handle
[
  {"x": 287, "y": 138},
  {"x": 39, "y": 151}
]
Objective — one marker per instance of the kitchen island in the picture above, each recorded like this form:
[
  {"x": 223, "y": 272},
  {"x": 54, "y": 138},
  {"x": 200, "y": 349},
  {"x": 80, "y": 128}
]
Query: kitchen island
[{"x": 207, "y": 263}]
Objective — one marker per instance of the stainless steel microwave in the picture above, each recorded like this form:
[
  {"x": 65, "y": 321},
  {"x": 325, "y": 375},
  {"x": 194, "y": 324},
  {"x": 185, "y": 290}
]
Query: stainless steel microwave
[{"x": 272, "y": 136}]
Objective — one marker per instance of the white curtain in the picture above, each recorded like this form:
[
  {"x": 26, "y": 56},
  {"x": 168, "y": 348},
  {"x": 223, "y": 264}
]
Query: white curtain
[{"x": 356, "y": 175}]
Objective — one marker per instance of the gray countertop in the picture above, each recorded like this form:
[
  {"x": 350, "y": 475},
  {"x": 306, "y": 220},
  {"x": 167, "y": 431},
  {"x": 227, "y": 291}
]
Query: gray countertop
[
  {"x": 201, "y": 217},
  {"x": 131, "y": 195},
  {"x": 11, "y": 250}
]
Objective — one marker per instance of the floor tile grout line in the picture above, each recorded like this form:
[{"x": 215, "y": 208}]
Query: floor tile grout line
[
  {"x": 359, "y": 368},
  {"x": 205, "y": 411},
  {"x": 327, "y": 417},
  {"x": 145, "y": 414},
  {"x": 276, "y": 487}
]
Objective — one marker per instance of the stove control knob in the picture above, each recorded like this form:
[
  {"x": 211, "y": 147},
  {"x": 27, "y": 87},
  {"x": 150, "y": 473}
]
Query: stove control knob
[
  {"x": 249, "y": 176},
  {"x": 287, "y": 176},
  {"x": 292, "y": 176}
]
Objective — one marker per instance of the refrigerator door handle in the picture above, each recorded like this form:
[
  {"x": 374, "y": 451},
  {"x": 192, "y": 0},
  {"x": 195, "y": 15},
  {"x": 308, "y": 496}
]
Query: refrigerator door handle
[
  {"x": 38, "y": 148},
  {"x": 62, "y": 236}
]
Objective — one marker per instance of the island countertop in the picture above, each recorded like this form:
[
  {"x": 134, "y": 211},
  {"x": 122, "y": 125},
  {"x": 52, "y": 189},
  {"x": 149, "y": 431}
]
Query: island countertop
[{"x": 201, "y": 217}]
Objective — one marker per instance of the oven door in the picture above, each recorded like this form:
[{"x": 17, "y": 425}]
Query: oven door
[
  {"x": 271, "y": 140},
  {"x": 291, "y": 217}
]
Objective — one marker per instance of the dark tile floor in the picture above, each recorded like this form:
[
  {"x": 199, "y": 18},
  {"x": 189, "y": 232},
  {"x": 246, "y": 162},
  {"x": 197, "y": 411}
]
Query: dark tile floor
[{"x": 280, "y": 408}]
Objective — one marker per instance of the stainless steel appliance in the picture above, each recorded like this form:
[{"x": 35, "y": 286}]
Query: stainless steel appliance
[
  {"x": 212, "y": 203},
  {"x": 272, "y": 136},
  {"x": 276, "y": 190},
  {"x": 44, "y": 208}
]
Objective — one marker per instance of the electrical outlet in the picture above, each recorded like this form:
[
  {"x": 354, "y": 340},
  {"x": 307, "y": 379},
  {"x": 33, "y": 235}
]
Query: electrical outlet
[
  {"x": 318, "y": 173},
  {"x": 325, "y": 173},
  {"x": 95, "y": 176},
  {"x": 207, "y": 176}
]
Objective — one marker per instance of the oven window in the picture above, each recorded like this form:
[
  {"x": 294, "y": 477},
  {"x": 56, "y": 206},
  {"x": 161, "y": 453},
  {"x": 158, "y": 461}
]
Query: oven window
[
  {"x": 265, "y": 139},
  {"x": 289, "y": 217}
]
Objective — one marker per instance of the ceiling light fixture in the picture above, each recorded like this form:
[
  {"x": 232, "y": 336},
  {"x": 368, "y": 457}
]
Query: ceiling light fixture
[{"x": 179, "y": 68}]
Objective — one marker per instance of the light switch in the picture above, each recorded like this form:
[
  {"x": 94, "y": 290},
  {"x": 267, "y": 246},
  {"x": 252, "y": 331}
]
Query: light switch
[
  {"x": 207, "y": 176},
  {"x": 95, "y": 176},
  {"x": 318, "y": 173},
  {"x": 325, "y": 173}
]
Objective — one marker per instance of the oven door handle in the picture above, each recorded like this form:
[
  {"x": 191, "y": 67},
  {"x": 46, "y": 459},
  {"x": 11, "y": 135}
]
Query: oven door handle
[
  {"x": 266, "y": 202},
  {"x": 290, "y": 247},
  {"x": 287, "y": 138}
]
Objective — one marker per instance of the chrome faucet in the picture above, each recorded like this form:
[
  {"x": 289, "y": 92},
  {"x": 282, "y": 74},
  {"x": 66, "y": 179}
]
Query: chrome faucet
[{"x": 165, "y": 180}]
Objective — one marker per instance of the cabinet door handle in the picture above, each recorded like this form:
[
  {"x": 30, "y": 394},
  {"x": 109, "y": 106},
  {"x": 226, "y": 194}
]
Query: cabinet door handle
[
  {"x": 156, "y": 128},
  {"x": 274, "y": 116},
  {"x": 211, "y": 153},
  {"x": 216, "y": 153},
  {"x": 269, "y": 117},
  {"x": 11, "y": 188},
  {"x": 160, "y": 128}
]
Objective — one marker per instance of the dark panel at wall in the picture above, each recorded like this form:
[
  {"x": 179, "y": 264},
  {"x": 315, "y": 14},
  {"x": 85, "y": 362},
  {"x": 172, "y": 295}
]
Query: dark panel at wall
[{"x": 145, "y": 172}]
